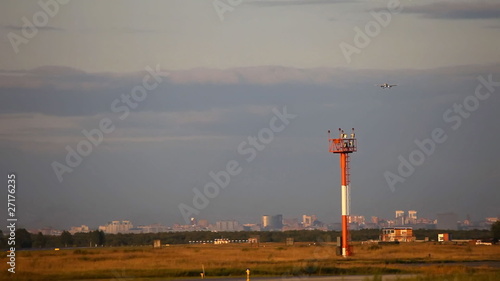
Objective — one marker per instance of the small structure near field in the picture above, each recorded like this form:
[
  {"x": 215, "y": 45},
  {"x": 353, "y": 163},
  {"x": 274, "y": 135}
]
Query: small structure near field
[
  {"x": 399, "y": 234},
  {"x": 254, "y": 241},
  {"x": 444, "y": 237},
  {"x": 221, "y": 241},
  {"x": 157, "y": 243}
]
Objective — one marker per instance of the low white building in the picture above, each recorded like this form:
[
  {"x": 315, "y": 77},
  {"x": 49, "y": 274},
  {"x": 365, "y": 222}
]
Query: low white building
[
  {"x": 79, "y": 229},
  {"x": 115, "y": 227}
]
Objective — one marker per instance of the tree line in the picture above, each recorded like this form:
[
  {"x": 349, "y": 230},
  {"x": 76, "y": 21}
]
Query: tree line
[{"x": 97, "y": 238}]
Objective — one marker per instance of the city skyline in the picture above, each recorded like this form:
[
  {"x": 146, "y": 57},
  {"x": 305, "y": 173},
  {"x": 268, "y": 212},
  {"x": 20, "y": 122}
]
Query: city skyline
[
  {"x": 268, "y": 223},
  {"x": 159, "y": 111}
]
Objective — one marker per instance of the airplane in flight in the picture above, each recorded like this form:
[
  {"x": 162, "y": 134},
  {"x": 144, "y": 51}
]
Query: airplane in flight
[{"x": 386, "y": 86}]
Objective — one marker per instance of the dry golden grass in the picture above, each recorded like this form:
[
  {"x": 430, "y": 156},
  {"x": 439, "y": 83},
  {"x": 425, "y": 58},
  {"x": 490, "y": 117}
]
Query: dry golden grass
[
  {"x": 233, "y": 259},
  {"x": 429, "y": 251}
]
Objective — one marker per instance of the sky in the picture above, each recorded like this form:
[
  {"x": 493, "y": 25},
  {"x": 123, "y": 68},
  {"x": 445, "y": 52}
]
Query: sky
[{"x": 128, "y": 110}]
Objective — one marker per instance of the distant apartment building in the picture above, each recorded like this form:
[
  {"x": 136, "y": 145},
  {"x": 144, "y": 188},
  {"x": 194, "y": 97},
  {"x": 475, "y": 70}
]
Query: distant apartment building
[
  {"x": 115, "y": 227},
  {"x": 405, "y": 219},
  {"x": 153, "y": 228},
  {"x": 400, "y": 234},
  {"x": 400, "y": 217},
  {"x": 357, "y": 219},
  {"x": 412, "y": 217},
  {"x": 79, "y": 229},
  {"x": 272, "y": 222},
  {"x": 308, "y": 221},
  {"x": 230, "y": 225}
]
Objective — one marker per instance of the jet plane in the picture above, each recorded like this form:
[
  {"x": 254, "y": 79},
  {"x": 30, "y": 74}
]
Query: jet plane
[{"x": 386, "y": 86}]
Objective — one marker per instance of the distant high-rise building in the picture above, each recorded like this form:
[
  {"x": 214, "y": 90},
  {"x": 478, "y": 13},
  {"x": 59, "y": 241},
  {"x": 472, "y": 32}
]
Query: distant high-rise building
[
  {"x": 400, "y": 213},
  {"x": 277, "y": 222},
  {"x": 266, "y": 221},
  {"x": 412, "y": 214},
  {"x": 412, "y": 217},
  {"x": 308, "y": 221},
  {"x": 400, "y": 217},
  {"x": 447, "y": 221}
]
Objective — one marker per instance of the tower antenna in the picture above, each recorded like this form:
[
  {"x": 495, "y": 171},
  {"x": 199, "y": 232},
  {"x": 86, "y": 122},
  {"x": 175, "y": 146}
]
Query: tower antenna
[{"x": 344, "y": 145}]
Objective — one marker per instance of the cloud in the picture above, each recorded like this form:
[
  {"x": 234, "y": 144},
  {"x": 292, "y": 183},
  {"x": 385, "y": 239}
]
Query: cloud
[
  {"x": 61, "y": 78},
  {"x": 38, "y": 132},
  {"x": 43, "y": 28},
  {"x": 457, "y": 10},
  {"x": 67, "y": 78},
  {"x": 278, "y": 75},
  {"x": 47, "y": 70},
  {"x": 262, "y": 75},
  {"x": 64, "y": 91}
]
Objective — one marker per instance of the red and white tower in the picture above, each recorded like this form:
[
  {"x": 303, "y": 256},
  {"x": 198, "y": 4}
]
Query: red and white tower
[{"x": 344, "y": 145}]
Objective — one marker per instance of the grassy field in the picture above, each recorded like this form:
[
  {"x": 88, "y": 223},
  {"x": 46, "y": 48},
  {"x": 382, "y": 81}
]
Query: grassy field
[{"x": 273, "y": 259}]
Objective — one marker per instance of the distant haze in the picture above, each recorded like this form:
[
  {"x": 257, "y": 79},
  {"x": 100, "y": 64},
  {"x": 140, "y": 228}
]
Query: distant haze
[{"x": 204, "y": 85}]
